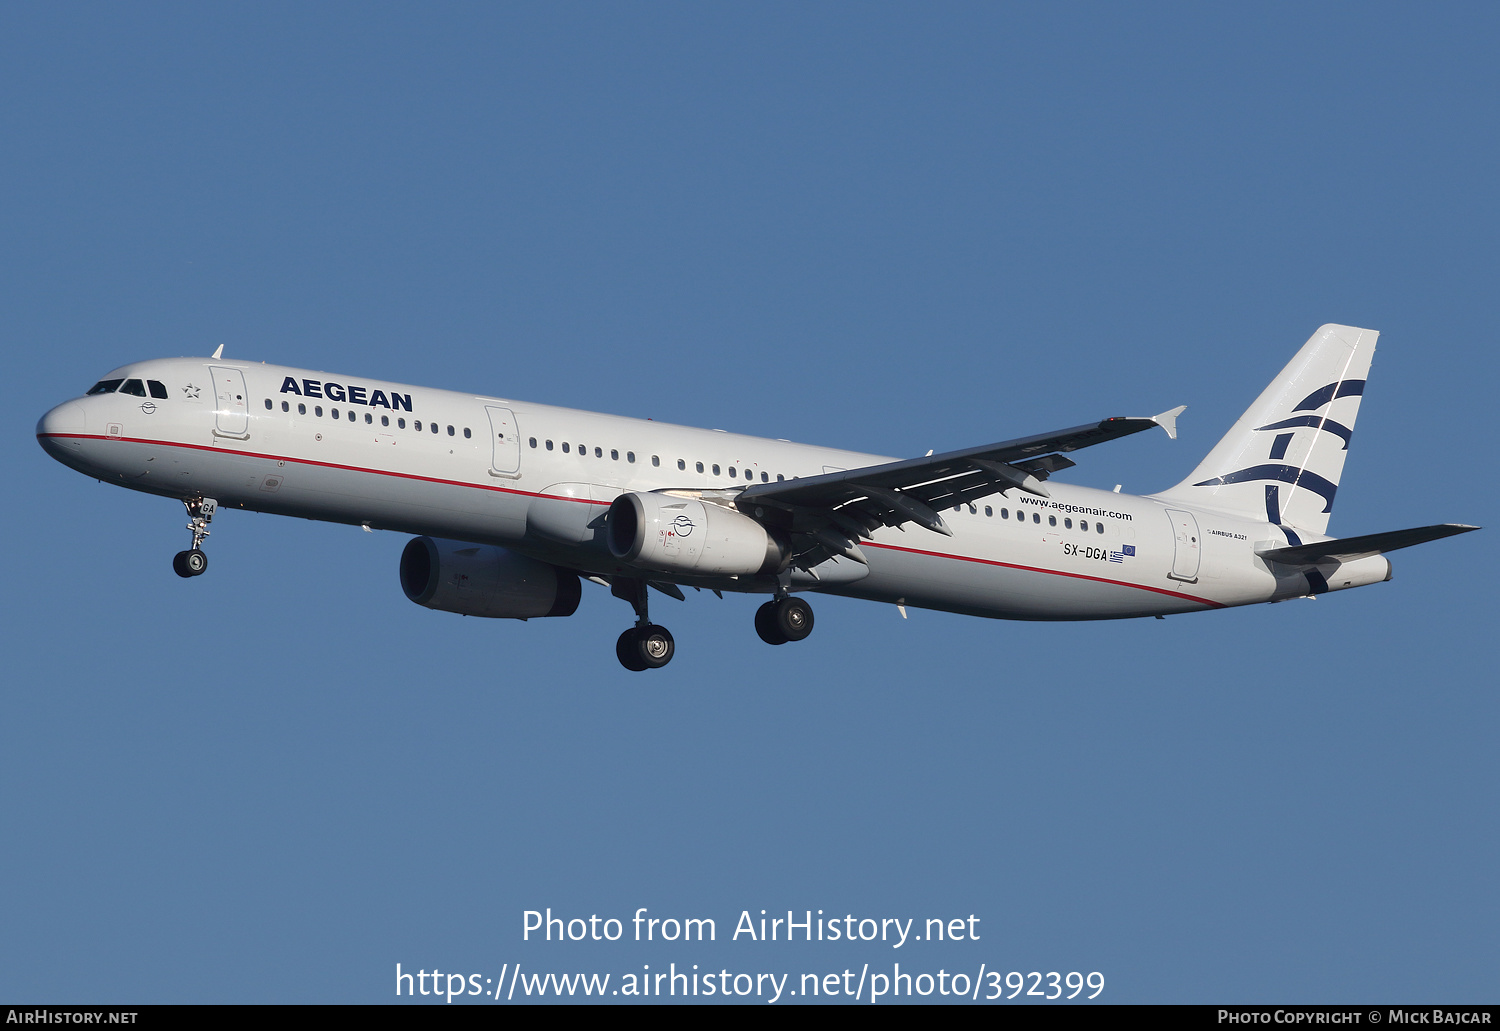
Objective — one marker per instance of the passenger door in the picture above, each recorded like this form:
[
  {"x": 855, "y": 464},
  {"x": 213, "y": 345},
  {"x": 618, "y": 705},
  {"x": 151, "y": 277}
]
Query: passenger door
[
  {"x": 1188, "y": 548},
  {"x": 231, "y": 406}
]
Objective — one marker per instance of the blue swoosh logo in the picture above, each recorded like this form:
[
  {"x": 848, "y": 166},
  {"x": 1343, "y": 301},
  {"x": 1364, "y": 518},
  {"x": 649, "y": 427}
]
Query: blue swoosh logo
[
  {"x": 1286, "y": 474},
  {"x": 1320, "y": 397},
  {"x": 1315, "y": 421}
]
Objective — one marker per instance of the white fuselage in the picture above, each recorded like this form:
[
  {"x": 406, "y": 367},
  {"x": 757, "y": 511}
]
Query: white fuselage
[{"x": 537, "y": 479}]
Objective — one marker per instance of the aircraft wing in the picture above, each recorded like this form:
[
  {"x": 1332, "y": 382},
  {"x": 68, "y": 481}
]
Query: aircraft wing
[{"x": 857, "y": 501}]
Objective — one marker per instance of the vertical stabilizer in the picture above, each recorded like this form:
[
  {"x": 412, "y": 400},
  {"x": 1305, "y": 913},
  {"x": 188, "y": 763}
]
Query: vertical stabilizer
[{"x": 1282, "y": 460}]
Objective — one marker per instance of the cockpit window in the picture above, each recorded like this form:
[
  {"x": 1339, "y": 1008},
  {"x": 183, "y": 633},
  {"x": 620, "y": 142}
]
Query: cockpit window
[
  {"x": 134, "y": 387},
  {"x": 105, "y": 386},
  {"x": 158, "y": 388}
]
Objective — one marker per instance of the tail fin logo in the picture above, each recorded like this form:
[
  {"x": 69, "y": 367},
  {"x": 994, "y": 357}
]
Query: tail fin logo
[
  {"x": 1286, "y": 474},
  {"x": 1320, "y": 397},
  {"x": 1279, "y": 443},
  {"x": 1298, "y": 477},
  {"x": 1320, "y": 422}
]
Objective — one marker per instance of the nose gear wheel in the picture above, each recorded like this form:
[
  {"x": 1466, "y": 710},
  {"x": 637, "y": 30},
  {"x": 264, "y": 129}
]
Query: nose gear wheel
[{"x": 194, "y": 562}]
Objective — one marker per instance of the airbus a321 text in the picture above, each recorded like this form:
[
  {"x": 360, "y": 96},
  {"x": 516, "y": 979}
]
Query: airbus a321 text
[{"x": 515, "y": 503}]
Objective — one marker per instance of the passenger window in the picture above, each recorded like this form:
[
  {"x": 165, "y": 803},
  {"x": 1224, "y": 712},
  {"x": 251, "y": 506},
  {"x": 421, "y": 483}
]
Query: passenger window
[
  {"x": 630, "y": 456},
  {"x": 105, "y": 386},
  {"x": 432, "y": 426},
  {"x": 450, "y": 431},
  {"x": 468, "y": 435},
  {"x": 765, "y": 477},
  {"x": 779, "y": 477},
  {"x": 301, "y": 408},
  {"x": 1099, "y": 527},
  {"x": 1005, "y": 513},
  {"x": 1068, "y": 523},
  {"x": 134, "y": 387},
  {"x": 716, "y": 470},
  {"x": 285, "y": 407},
  {"x": 268, "y": 404},
  {"x": 988, "y": 510},
  {"x": 1036, "y": 517},
  {"x": 565, "y": 447},
  {"x": 1052, "y": 520},
  {"x": 681, "y": 464},
  {"x": 700, "y": 467},
  {"x": 533, "y": 442},
  {"x": 158, "y": 389},
  {"x": 732, "y": 473},
  {"x": 401, "y": 425},
  {"x": 973, "y": 510},
  {"x": 655, "y": 461},
  {"x": 615, "y": 455},
  {"x": 385, "y": 420},
  {"x": 351, "y": 415},
  {"x": 549, "y": 445},
  {"x": 334, "y": 412},
  {"x": 598, "y": 452},
  {"x": 369, "y": 419},
  {"x": 318, "y": 411},
  {"x": 417, "y": 425}
]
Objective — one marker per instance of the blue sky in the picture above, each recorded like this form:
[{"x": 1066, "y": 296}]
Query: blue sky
[{"x": 883, "y": 227}]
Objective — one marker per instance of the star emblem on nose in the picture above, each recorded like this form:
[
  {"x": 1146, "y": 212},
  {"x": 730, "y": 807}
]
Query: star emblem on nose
[{"x": 191, "y": 391}]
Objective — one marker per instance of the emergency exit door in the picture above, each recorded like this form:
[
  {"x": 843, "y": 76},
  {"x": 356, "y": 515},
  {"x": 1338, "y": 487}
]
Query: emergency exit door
[{"x": 505, "y": 440}]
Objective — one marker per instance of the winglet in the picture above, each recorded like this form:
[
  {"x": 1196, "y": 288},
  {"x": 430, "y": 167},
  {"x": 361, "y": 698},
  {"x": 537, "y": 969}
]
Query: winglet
[
  {"x": 218, "y": 352},
  {"x": 1168, "y": 420}
]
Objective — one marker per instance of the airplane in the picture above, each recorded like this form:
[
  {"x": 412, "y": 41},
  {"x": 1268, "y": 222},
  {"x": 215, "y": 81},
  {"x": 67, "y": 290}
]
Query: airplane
[{"x": 514, "y": 504}]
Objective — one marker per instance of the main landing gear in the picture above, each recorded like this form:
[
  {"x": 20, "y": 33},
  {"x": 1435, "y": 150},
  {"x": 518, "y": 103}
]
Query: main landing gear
[
  {"x": 648, "y": 646},
  {"x": 645, "y": 645},
  {"x": 785, "y": 619},
  {"x": 194, "y": 562}
]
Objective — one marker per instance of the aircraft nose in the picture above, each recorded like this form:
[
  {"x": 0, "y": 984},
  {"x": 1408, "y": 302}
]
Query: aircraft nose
[{"x": 58, "y": 430}]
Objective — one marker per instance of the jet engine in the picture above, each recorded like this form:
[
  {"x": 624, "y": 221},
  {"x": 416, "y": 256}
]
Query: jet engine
[
  {"x": 483, "y": 580},
  {"x": 658, "y": 531}
]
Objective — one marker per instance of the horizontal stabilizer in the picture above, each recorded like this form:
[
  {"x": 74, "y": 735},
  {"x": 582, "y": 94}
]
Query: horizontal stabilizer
[{"x": 1351, "y": 548}]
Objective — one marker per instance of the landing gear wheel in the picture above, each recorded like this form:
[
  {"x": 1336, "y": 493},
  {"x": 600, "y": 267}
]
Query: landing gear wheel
[
  {"x": 793, "y": 618},
  {"x": 645, "y": 647},
  {"x": 655, "y": 645},
  {"x": 765, "y": 624},
  {"x": 627, "y": 652},
  {"x": 189, "y": 563}
]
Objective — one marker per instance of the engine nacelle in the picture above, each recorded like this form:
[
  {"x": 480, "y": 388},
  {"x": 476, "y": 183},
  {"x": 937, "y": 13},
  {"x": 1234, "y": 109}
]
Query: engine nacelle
[
  {"x": 657, "y": 531},
  {"x": 483, "y": 580}
]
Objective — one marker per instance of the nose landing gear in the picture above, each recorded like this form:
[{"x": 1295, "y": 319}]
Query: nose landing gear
[{"x": 194, "y": 562}]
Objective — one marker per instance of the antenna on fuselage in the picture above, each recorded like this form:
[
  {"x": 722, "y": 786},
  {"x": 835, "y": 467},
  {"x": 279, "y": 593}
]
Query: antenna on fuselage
[{"x": 218, "y": 352}]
